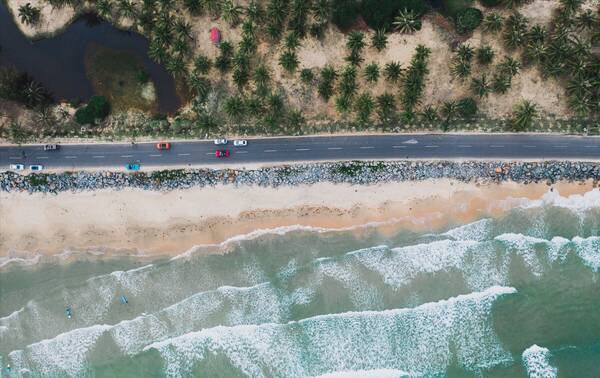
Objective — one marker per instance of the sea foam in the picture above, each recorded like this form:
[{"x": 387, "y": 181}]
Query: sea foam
[
  {"x": 421, "y": 340},
  {"x": 537, "y": 362}
]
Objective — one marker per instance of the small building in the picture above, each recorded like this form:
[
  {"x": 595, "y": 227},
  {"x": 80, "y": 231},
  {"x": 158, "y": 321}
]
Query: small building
[{"x": 215, "y": 35}]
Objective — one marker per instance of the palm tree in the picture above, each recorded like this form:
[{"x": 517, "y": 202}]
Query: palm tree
[
  {"x": 509, "y": 66},
  {"x": 586, "y": 20},
  {"x": 492, "y": 23},
  {"x": 261, "y": 78},
  {"x": 202, "y": 65},
  {"x": 321, "y": 10},
  {"x": 407, "y": 21},
  {"x": 347, "y": 84},
  {"x": 538, "y": 34},
  {"x": 364, "y": 107},
  {"x": 254, "y": 11},
  {"x": 356, "y": 42},
  {"x": 523, "y": 115},
  {"x": 193, "y": 6},
  {"x": 254, "y": 106},
  {"x": 512, "y": 3},
  {"x": 386, "y": 107},
  {"x": 571, "y": 6},
  {"x": 104, "y": 8},
  {"x": 292, "y": 41},
  {"x": 465, "y": 52},
  {"x": 429, "y": 113},
  {"x": 127, "y": 9},
  {"x": 449, "y": 111},
  {"x": 325, "y": 88},
  {"x": 379, "y": 40},
  {"x": 515, "y": 33},
  {"x": 181, "y": 47},
  {"x": 500, "y": 83},
  {"x": 480, "y": 86},
  {"x": 182, "y": 29},
  {"x": 485, "y": 55},
  {"x": 201, "y": 86},
  {"x": 342, "y": 103},
  {"x": 461, "y": 69},
  {"x": 298, "y": 15},
  {"x": 157, "y": 51},
  {"x": 29, "y": 15},
  {"x": 234, "y": 108},
  {"x": 392, "y": 71},
  {"x": 213, "y": 6},
  {"x": 372, "y": 72},
  {"x": 231, "y": 12},
  {"x": 289, "y": 61},
  {"x": 176, "y": 66},
  {"x": 306, "y": 76}
]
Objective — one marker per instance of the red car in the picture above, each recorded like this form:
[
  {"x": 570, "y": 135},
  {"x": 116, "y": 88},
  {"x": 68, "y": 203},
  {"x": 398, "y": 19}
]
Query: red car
[
  {"x": 222, "y": 153},
  {"x": 163, "y": 146}
]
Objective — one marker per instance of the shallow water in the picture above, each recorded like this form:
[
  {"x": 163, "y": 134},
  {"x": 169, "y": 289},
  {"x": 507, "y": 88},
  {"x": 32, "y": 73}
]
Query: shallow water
[
  {"x": 58, "y": 62},
  {"x": 514, "y": 296}
]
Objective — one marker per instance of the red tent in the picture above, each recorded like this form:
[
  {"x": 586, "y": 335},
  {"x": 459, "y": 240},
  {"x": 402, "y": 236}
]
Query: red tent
[{"x": 215, "y": 35}]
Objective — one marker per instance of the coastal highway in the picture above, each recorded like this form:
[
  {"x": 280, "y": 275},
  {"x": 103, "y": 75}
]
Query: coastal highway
[{"x": 293, "y": 149}]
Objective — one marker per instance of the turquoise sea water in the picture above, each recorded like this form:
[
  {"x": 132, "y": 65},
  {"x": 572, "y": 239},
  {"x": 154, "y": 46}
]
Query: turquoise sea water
[{"x": 507, "y": 297}]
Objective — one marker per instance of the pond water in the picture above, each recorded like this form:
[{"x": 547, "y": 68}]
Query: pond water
[{"x": 58, "y": 62}]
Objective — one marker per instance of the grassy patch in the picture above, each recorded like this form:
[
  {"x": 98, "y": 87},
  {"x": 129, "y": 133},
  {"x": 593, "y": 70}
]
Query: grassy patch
[
  {"x": 167, "y": 175},
  {"x": 38, "y": 179},
  {"x": 120, "y": 77}
]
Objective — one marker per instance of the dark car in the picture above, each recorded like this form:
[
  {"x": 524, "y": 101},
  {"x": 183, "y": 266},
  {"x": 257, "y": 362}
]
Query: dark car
[{"x": 222, "y": 153}]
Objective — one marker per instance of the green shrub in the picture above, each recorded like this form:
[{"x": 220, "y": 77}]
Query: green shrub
[
  {"x": 490, "y": 3},
  {"x": 453, "y": 7},
  {"x": 97, "y": 108},
  {"x": 467, "y": 20},
  {"x": 467, "y": 107},
  {"x": 379, "y": 14},
  {"x": 344, "y": 12}
]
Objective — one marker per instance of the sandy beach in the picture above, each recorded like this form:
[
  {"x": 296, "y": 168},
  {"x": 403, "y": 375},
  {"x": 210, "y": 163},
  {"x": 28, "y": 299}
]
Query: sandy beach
[{"x": 170, "y": 223}]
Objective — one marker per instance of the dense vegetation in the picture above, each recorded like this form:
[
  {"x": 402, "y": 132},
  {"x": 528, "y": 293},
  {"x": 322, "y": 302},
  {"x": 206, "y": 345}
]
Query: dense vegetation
[{"x": 238, "y": 86}]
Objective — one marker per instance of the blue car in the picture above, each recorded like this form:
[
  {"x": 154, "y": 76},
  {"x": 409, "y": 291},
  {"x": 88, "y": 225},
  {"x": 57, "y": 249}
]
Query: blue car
[{"x": 133, "y": 167}]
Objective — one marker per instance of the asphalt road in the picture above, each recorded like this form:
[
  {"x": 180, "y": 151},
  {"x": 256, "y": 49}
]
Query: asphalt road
[{"x": 398, "y": 146}]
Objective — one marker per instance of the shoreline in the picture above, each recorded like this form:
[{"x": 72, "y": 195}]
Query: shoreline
[{"x": 154, "y": 224}]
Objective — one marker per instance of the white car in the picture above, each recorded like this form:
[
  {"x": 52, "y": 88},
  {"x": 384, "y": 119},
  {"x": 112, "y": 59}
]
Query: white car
[
  {"x": 36, "y": 167},
  {"x": 240, "y": 143},
  {"x": 17, "y": 167},
  {"x": 221, "y": 141}
]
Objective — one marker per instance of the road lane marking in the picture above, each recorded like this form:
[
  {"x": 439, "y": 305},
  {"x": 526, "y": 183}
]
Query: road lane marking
[
  {"x": 431, "y": 146},
  {"x": 155, "y": 155},
  {"x": 270, "y": 151},
  {"x": 590, "y": 146},
  {"x": 70, "y": 157},
  {"x": 560, "y": 146},
  {"x": 334, "y": 148},
  {"x": 210, "y": 153},
  {"x": 98, "y": 156},
  {"x": 302, "y": 149},
  {"x": 464, "y": 146},
  {"x": 126, "y": 155},
  {"x": 496, "y": 146},
  {"x": 241, "y": 152},
  {"x": 528, "y": 146},
  {"x": 398, "y": 146},
  {"x": 411, "y": 141},
  {"x": 42, "y": 157},
  {"x": 183, "y": 154},
  {"x": 14, "y": 157},
  {"x": 366, "y": 147}
]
